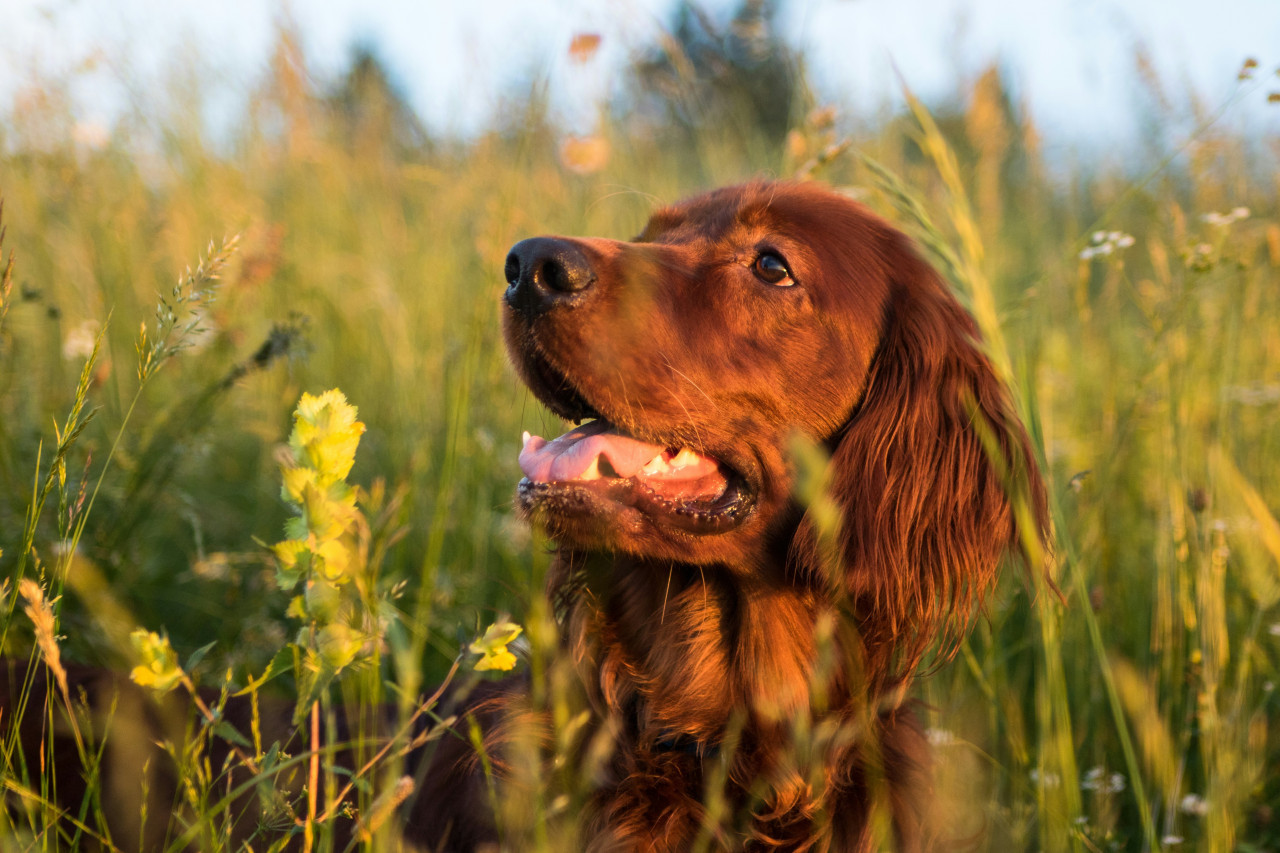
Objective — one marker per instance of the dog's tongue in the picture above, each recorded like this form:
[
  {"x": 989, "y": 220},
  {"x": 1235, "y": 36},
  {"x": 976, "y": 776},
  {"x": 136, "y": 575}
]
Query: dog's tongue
[
  {"x": 574, "y": 455},
  {"x": 595, "y": 450}
]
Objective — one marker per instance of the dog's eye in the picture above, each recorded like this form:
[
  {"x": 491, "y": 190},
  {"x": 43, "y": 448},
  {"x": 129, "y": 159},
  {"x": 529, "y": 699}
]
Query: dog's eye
[{"x": 772, "y": 268}]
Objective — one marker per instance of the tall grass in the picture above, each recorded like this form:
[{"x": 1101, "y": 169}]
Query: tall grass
[{"x": 1133, "y": 712}]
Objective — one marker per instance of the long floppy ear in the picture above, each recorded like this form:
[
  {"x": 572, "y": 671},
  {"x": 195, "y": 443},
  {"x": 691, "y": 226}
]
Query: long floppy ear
[{"x": 925, "y": 510}]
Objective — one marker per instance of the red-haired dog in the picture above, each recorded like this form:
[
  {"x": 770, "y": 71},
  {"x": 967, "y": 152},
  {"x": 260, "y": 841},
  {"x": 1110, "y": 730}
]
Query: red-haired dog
[{"x": 698, "y": 595}]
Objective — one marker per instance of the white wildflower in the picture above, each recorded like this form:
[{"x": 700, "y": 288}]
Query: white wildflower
[
  {"x": 940, "y": 737},
  {"x": 1225, "y": 220},
  {"x": 1193, "y": 804},
  {"x": 1091, "y": 779},
  {"x": 80, "y": 340},
  {"x": 1106, "y": 243},
  {"x": 1097, "y": 779},
  {"x": 1050, "y": 780}
]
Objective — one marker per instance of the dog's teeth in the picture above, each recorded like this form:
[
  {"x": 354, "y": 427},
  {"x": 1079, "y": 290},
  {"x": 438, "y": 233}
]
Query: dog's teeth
[
  {"x": 656, "y": 465},
  {"x": 524, "y": 439},
  {"x": 593, "y": 472},
  {"x": 684, "y": 458}
]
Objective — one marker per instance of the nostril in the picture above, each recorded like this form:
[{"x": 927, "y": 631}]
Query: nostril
[
  {"x": 556, "y": 277},
  {"x": 567, "y": 272},
  {"x": 512, "y": 269}
]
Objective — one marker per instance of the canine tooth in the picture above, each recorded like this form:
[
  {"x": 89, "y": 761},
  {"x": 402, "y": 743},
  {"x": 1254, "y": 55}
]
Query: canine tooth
[
  {"x": 524, "y": 439},
  {"x": 592, "y": 472},
  {"x": 684, "y": 458},
  {"x": 655, "y": 465}
]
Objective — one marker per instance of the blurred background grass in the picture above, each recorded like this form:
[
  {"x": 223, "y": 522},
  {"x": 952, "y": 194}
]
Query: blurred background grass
[{"x": 1142, "y": 318}]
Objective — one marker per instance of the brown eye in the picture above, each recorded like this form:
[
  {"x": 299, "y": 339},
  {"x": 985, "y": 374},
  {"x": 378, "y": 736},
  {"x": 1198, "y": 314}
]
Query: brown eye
[{"x": 771, "y": 267}]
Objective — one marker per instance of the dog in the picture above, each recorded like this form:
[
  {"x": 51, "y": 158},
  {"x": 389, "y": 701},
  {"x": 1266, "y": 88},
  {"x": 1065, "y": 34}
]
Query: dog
[{"x": 714, "y": 611}]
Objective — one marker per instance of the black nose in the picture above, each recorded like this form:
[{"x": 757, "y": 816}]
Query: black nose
[{"x": 544, "y": 272}]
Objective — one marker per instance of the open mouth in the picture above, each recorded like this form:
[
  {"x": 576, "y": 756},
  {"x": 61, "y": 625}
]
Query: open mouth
[
  {"x": 598, "y": 468},
  {"x": 598, "y": 462}
]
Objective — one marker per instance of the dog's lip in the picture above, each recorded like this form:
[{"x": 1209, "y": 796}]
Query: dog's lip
[
  {"x": 553, "y": 388},
  {"x": 597, "y": 497}
]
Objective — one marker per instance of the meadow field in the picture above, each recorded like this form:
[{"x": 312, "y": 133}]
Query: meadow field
[{"x": 168, "y": 300}]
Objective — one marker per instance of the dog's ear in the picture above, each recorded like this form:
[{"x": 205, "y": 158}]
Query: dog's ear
[{"x": 926, "y": 512}]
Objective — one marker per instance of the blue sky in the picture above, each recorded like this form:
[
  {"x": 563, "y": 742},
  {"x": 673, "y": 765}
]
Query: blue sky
[{"x": 1072, "y": 61}]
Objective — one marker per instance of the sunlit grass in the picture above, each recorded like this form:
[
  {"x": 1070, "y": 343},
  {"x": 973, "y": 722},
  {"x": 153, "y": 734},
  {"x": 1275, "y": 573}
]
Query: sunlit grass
[{"x": 1135, "y": 712}]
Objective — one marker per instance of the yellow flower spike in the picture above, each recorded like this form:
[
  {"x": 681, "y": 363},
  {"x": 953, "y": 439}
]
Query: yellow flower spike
[
  {"x": 159, "y": 668},
  {"x": 326, "y": 434},
  {"x": 320, "y": 547},
  {"x": 492, "y": 647}
]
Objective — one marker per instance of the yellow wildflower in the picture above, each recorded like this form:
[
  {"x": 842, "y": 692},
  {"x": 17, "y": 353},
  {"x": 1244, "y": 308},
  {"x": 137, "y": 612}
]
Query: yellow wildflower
[
  {"x": 326, "y": 434},
  {"x": 492, "y": 647},
  {"x": 159, "y": 662}
]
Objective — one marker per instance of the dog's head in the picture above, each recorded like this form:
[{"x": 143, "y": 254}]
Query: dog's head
[{"x": 736, "y": 320}]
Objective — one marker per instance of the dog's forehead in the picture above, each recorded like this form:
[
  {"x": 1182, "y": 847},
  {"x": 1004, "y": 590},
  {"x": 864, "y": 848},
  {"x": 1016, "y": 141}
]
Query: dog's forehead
[
  {"x": 747, "y": 211},
  {"x": 702, "y": 217}
]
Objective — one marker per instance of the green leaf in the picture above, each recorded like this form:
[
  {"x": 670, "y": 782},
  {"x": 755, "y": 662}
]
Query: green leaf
[
  {"x": 228, "y": 732},
  {"x": 280, "y": 664},
  {"x": 198, "y": 655}
]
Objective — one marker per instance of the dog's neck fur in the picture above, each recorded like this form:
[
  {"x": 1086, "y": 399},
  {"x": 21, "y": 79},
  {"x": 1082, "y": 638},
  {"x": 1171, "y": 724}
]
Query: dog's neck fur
[
  {"x": 729, "y": 644},
  {"x": 682, "y": 661}
]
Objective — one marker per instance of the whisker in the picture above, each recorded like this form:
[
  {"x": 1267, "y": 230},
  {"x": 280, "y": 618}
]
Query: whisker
[
  {"x": 702, "y": 445},
  {"x": 671, "y": 568}
]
